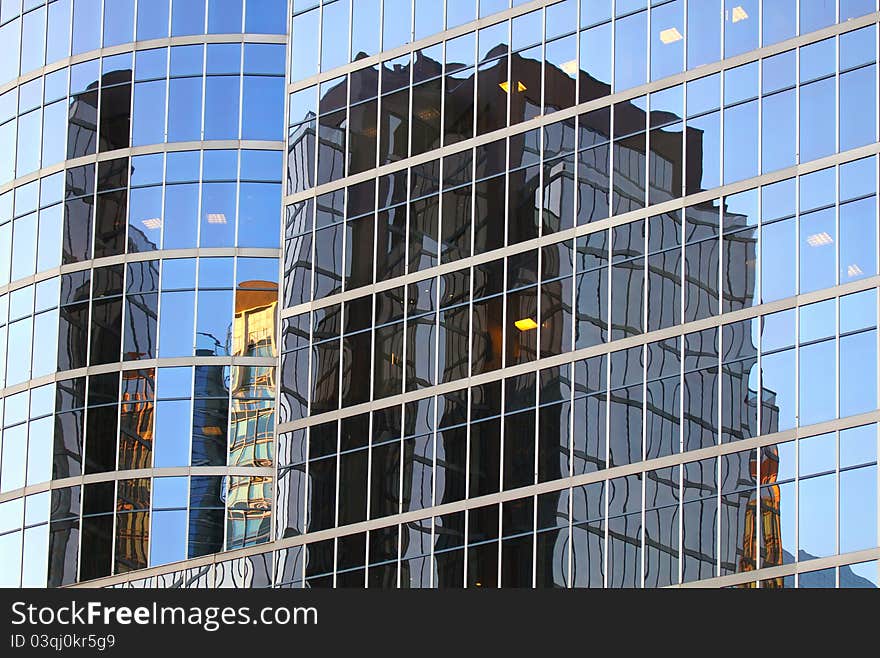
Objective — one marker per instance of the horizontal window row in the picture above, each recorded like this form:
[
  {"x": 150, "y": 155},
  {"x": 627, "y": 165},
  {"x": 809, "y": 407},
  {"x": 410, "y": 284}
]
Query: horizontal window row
[
  {"x": 127, "y": 209},
  {"x": 106, "y": 111},
  {"x": 608, "y": 285},
  {"x": 78, "y": 533},
  {"x": 703, "y": 519},
  {"x": 41, "y": 33},
  {"x": 215, "y": 416},
  {"x": 657, "y": 155},
  {"x": 634, "y": 405},
  {"x": 747, "y": 244},
  {"x": 342, "y": 31},
  {"x": 783, "y": 354},
  {"x": 256, "y": 571},
  {"x": 103, "y": 320},
  {"x": 553, "y": 183}
]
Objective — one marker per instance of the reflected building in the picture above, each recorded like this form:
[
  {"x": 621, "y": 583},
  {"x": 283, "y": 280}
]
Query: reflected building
[
  {"x": 649, "y": 268},
  {"x": 503, "y": 306}
]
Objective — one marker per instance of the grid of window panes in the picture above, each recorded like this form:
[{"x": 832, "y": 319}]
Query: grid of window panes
[
  {"x": 722, "y": 516},
  {"x": 216, "y": 91},
  {"x": 42, "y": 32},
  {"x": 332, "y": 33},
  {"x": 794, "y": 236},
  {"x": 643, "y": 151},
  {"x": 483, "y": 81},
  {"x": 441, "y": 277},
  {"x": 78, "y": 533},
  {"x": 79, "y": 290}
]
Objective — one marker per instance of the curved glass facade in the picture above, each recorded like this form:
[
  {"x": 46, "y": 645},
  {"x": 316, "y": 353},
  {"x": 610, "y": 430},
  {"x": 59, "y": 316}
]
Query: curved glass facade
[{"x": 528, "y": 294}]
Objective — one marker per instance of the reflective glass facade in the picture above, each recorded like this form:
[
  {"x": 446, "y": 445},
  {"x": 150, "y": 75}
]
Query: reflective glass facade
[{"x": 408, "y": 293}]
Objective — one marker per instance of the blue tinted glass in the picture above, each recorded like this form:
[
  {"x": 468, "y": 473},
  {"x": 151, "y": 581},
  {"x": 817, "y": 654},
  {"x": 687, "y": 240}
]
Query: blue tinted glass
[
  {"x": 261, "y": 165},
  {"x": 218, "y": 215},
  {"x": 818, "y": 398},
  {"x": 364, "y": 35},
  {"x": 858, "y": 373},
  {"x": 256, "y": 269},
  {"x": 146, "y": 169},
  {"x": 86, "y": 30},
  {"x": 779, "y": 71},
  {"x": 816, "y": 14},
  {"x": 858, "y": 108},
  {"x": 176, "y": 337},
  {"x": 174, "y": 382},
  {"x": 428, "y": 18},
  {"x": 221, "y": 107},
  {"x": 153, "y": 24},
  {"x": 334, "y": 24},
  {"x": 11, "y": 514},
  {"x": 741, "y": 83},
  {"x": 304, "y": 48},
  {"x": 858, "y": 510},
  {"x": 703, "y": 94},
  {"x": 817, "y": 321},
  {"x": 817, "y": 454},
  {"x": 33, "y": 39},
  {"x": 259, "y": 214},
  {"x": 56, "y": 85},
  {"x": 37, "y": 508},
  {"x": 224, "y": 58},
  {"x": 213, "y": 322},
  {"x": 266, "y": 58},
  {"x": 148, "y": 113},
  {"x": 779, "y": 20},
  {"x": 741, "y": 142},
  {"x": 118, "y": 21},
  {"x": 858, "y": 178},
  {"x": 266, "y": 17},
  {"x": 49, "y": 246},
  {"x": 168, "y": 537},
  {"x": 187, "y": 17},
  {"x": 29, "y": 128},
  {"x": 778, "y": 252},
  {"x": 215, "y": 273},
  {"x": 9, "y": 36},
  {"x": 779, "y": 134},
  {"x": 220, "y": 165},
  {"x": 170, "y": 493},
  {"x": 185, "y": 102},
  {"x": 182, "y": 166},
  {"x": 818, "y": 120},
  {"x": 396, "y": 24},
  {"x": 151, "y": 64},
  {"x": 224, "y": 16},
  {"x": 858, "y": 445},
  {"x": 186, "y": 60},
  {"x": 855, "y": 8},
  {"x": 178, "y": 273},
  {"x": 180, "y": 223},
  {"x": 630, "y": 38},
  {"x": 858, "y": 47},
  {"x": 595, "y": 11},
  {"x": 667, "y": 41},
  {"x": 704, "y": 32},
  {"x": 817, "y": 60},
  {"x": 83, "y": 76},
  {"x": 459, "y": 12},
  {"x": 145, "y": 219},
  {"x": 58, "y": 30},
  {"x": 263, "y": 111},
  {"x": 817, "y": 189}
]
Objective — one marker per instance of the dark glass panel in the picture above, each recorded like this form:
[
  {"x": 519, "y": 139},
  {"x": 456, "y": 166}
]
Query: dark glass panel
[
  {"x": 485, "y": 457},
  {"x": 105, "y": 331},
  {"x": 384, "y": 483},
  {"x": 519, "y": 450}
]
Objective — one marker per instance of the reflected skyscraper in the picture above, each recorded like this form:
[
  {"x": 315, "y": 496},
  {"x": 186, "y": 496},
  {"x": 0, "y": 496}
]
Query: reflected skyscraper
[{"x": 551, "y": 294}]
